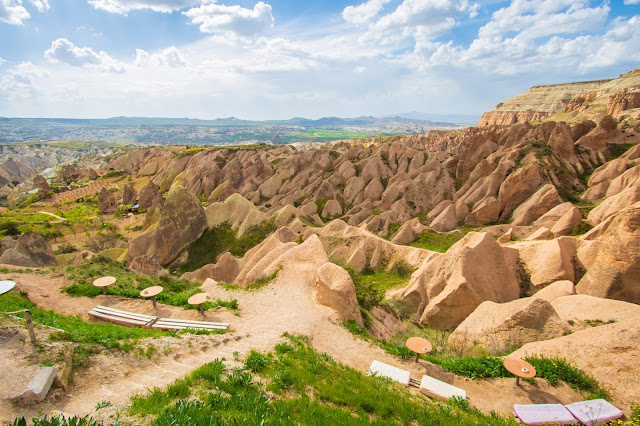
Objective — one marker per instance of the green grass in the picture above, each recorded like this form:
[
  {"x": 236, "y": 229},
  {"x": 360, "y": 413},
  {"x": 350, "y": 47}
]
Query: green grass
[
  {"x": 129, "y": 284},
  {"x": 440, "y": 243},
  {"x": 86, "y": 335},
  {"x": 261, "y": 282},
  {"x": 309, "y": 388},
  {"x": 221, "y": 238}
]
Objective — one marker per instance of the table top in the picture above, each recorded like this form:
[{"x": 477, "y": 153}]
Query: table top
[
  {"x": 151, "y": 291},
  {"x": 519, "y": 367},
  {"x": 6, "y": 285},
  {"x": 419, "y": 345},
  {"x": 104, "y": 281},
  {"x": 198, "y": 299}
]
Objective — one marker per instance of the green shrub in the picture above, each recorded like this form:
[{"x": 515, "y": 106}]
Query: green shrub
[{"x": 256, "y": 362}]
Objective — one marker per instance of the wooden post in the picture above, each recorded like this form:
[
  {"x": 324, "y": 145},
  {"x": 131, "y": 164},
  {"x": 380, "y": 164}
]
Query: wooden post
[
  {"x": 201, "y": 309},
  {"x": 517, "y": 381},
  {"x": 417, "y": 356},
  {"x": 153, "y": 299},
  {"x": 32, "y": 333}
]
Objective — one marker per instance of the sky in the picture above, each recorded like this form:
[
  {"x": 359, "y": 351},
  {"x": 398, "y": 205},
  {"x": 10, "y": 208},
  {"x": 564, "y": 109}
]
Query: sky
[{"x": 277, "y": 59}]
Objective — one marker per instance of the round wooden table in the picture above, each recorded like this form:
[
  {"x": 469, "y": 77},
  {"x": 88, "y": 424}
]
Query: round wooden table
[
  {"x": 519, "y": 368},
  {"x": 419, "y": 346},
  {"x": 152, "y": 292},
  {"x": 104, "y": 282},
  {"x": 199, "y": 299},
  {"x": 6, "y": 286}
]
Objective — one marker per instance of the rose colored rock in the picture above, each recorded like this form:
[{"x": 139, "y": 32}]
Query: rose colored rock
[
  {"x": 31, "y": 250},
  {"x": 548, "y": 261},
  {"x": 106, "y": 201},
  {"x": 561, "y": 140},
  {"x": 615, "y": 272},
  {"x": 541, "y": 234},
  {"x": 537, "y": 205},
  {"x": 147, "y": 195},
  {"x": 500, "y": 325},
  {"x": 408, "y": 232},
  {"x": 334, "y": 288},
  {"x": 556, "y": 290},
  {"x": 447, "y": 288},
  {"x": 129, "y": 195},
  {"x": 487, "y": 211},
  {"x": 332, "y": 209},
  {"x": 614, "y": 204},
  {"x": 519, "y": 186},
  {"x": 561, "y": 219}
]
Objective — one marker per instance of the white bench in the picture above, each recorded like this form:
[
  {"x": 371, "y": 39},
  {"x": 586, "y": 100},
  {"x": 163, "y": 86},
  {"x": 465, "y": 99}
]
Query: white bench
[
  {"x": 178, "y": 324},
  {"x": 435, "y": 388},
  {"x": 122, "y": 317},
  {"x": 394, "y": 373}
]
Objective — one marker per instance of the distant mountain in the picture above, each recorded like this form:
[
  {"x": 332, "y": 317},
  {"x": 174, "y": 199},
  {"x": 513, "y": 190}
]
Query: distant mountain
[{"x": 443, "y": 118}]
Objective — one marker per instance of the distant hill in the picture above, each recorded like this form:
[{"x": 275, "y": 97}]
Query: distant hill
[
  {"x": 571, "y": 102},
  {"x": 467, "y": 119}
]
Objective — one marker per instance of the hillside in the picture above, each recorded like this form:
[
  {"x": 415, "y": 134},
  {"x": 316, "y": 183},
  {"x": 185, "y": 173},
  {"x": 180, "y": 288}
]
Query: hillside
[{"x": 571, "y": 102}]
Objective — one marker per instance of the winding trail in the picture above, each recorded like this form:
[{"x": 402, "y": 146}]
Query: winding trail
[{"x": 283, "y": 306}]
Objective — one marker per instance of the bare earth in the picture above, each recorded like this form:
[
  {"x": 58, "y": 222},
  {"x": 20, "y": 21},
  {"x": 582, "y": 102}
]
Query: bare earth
[{"x": 284, "y": 306}]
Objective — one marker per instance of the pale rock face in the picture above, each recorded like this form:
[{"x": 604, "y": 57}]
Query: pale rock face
[
  {"x": 374, "y": 190},
  {"x": 30, "y": 250},
  {"x": 537, "y": 205},
  {"x": 487, "y": 211},
  {"x": 334, "y": 288},
  {"x": 147, "y": 195},
  {"x": 106, "y": 201},
  {"x": 614, "y": 204},
  {"x": 561, "y": 140},
  {"x": 626, "y": 180},
  {"x": 332, "y": 209},
  {"x": 556, "y": 290},
  {"x": 408, "y": 232},
  {"x": 608, "y": 171},
  {"x": 596, "y": 192},
  {"x": 500, "y": 325},
  {"x": 548, "y": 261},
  {"x": 182, "y": 221},
  {"x": 447, "y": 288},
  {"x": 540, "y": 234},
  {"x": 615, "y": 272},
  {"x": 560, "y": 219},
  {"x": 519, "y": 186},
  {"x": 450, "y": 217},
  {"x": 257, "y": 259},
  {"x": 581, "y": 307}
]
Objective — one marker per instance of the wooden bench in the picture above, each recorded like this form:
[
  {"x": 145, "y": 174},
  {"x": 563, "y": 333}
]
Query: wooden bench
[
  {"x": 122, "y": 317},
  {"x": 178, "y": 324}
]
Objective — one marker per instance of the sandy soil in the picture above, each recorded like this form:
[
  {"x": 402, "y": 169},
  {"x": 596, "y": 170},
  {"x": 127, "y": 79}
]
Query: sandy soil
[{"x": 283, "y": 306}]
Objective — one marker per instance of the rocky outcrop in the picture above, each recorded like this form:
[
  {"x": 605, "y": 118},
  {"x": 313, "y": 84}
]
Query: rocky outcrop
[
  {"x": 556, "y": 290},
  {"x": 150, "y": 196},
  {"x": 31, "y": 251},
  {"x": 182, "y": 222},
  {"x": 561, "y": 220},
  {"x": 129, "y": 195},
  {"x": 615, "y": 272},
  {"x": 145, "y": 265},
  {"x": 334, "y": 288},
  {"x": 548, "y": 261},
  {"x": 42, "y": 185},
  {"x": 408, "y": 232},
  {"x": 501, "y": 325},
  {"x": 225, "y": 270},
  {"x": 447, "y": 288},
  {"x": 583, "y": 308},
  {"x": 106, "y": 201}
]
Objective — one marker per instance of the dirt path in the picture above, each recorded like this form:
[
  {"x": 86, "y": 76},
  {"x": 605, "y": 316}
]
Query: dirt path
[
  {"x": 61, "y": 219},
  {"x": 283, "y": 306}
]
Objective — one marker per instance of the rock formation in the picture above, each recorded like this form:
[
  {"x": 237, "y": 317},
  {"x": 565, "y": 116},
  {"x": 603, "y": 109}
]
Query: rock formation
[
  {"x": 106, "y": 201},
  {"x": 30, "y": 250}
]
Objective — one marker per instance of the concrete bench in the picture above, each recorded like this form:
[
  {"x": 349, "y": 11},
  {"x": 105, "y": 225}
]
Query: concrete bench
[
  {"x": 435, "y": 388},
  {"x": 38, "y": 386},
  {"x": 394, "y": 373},
  {"x": 178, "y": 324},
  {"x": 594, "y": 412},
  {"x": 544, "y": 414},
  {"x": 122, "y": 317}
]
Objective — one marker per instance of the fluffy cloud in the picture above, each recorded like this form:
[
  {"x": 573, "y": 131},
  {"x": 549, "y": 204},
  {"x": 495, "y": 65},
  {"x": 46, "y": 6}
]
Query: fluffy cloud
[
  {"x": 170, "y": 56},
  {"x": 41, "y": 5},
  {"x": 63, "y": 51},
  {"x": 12, "y": 12},
  {"x": 628, "y": 2},
  {"x": 215, "y": 18},
  {"x": 125, "y": 6},
  {"x": 364, "y": 12}
]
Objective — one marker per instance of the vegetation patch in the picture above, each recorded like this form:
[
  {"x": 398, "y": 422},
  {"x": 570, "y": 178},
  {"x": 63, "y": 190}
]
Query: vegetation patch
[
  {"x": 222, "y": 238},
  {"x": 441, "y": 242},
  {"x": 129, "y": 284}
]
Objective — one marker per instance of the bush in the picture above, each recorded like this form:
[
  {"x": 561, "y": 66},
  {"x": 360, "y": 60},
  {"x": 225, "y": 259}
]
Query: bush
[
  {"x": 10, "y": 228},
  {"x": 65, "y": 248},
  {"x": 100, "y": 242}
]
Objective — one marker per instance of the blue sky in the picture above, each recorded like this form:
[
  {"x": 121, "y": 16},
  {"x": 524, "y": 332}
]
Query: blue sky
[{"x": 276, "y": 59}]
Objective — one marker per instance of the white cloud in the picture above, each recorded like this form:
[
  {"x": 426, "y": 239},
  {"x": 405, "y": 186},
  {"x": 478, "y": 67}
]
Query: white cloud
[
  {"x": 12, "y": 12},
  {"x": 18, "y": 82},
  {"x": 628, "y": 2},
  {"x": 63, "y": 51},
  {"x": 41, "y": 5},
  {"x": 125, "y": 6},
  {"x": 215, "y": 18},
  {"x": 170, "y": 56},
  {"x": 364, "y": 12},
  {"x": 2, "y": 61}
]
